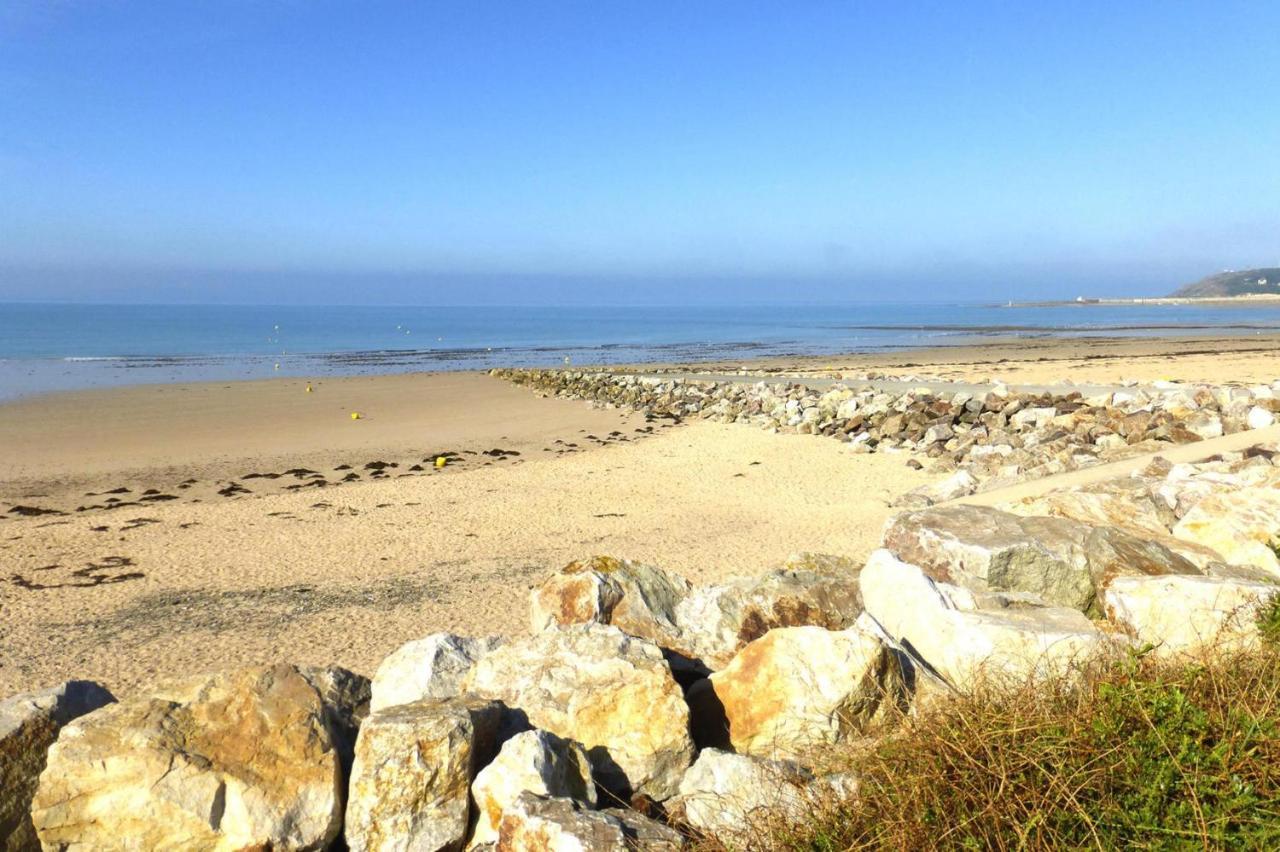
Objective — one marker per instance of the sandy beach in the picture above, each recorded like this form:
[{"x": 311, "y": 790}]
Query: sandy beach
[{"x": 206, "y": 539}]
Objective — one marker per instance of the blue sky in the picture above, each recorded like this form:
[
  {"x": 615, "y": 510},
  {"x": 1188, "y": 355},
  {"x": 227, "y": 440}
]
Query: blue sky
[{"x": 605, "y": 151}]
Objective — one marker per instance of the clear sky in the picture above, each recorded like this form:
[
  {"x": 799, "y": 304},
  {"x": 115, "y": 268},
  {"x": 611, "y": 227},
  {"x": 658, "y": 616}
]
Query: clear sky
[{"x": 450, "y": 152}]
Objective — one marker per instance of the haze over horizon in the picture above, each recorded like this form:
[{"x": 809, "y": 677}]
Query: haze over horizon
[{"x": 629, "y": 153}]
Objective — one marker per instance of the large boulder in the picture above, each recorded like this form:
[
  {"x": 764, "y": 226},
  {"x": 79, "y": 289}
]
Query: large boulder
[
  {"x": 433, "y": 667},
  {"x": 809, "y": 589},
  {"x": 1188, "y": 615},
  {"x": 797, "y": 688},
  {"x": 247, "y": 758},
  {"x": 1242, "y": 525},
  {"x": 535, "y": 762},
  {"x": 1059, "y": 560},
  {"x": 29, "y": 724},
  {"x": 967, "y": 638},
  {"x": 982, "y": 548},
  {"x": 536, "y": 823},
  {"x": 1111, "y": 554},
  {"x": 637, "y": 599},
  {"x": 611, "y": 692},
  {"x": 1127, "y": 505},
  {"x": 414, "y": 765},
  {"x": 734, "y": 797}
]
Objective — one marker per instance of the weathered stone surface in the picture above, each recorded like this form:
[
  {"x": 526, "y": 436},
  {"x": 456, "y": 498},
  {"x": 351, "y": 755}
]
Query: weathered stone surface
[
  {"x": 734, "y": 797},
  {"x": 1204, "y": 425},
  {"x": 810, "y": 589},
  {"x": 535, "y": 762},
  {"x": 1131, "y": 509},
  {"x": 1240, "y": 524},
  {"x": 637, "y": 599},
  {"x": 1188, "y": 615},
  {"x": 965, "y": 637},
  {"x": 545, "y": 824},
  {"x": 413, "y": 770},
  {"x": 983, "y": 548},
  {"x": 1111, "y": 553},
  {"x": 432, "y": 667},
  {"x": 797, "y": 688},
  {"x": 29, "y": 724},
  {"x": 611, "y": 692},
  {"x": 248, "y": 758}
]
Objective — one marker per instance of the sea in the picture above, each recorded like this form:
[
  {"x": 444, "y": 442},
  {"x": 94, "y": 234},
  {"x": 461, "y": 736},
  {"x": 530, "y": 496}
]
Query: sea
[{"x": 57, "y": 347}]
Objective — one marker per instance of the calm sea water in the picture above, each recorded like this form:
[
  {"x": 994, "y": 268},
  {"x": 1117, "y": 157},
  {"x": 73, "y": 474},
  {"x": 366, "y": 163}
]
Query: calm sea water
[{"x": 46, "y": 347}]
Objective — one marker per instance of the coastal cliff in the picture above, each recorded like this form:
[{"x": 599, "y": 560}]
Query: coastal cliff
[{"x": 1242, "y": 282}]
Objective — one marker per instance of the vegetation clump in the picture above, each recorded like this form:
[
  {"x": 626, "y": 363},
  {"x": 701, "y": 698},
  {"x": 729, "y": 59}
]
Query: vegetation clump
[{"x": 1139, "y": 753}]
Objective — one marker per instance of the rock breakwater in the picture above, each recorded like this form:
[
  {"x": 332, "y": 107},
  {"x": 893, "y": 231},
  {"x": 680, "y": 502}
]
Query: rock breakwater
[{"x": 983, "y": 441}]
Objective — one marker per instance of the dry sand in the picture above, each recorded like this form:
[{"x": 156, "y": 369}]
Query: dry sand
[
  {"x": 347, "y": 573},
  {"x": 201, "y": 575}
]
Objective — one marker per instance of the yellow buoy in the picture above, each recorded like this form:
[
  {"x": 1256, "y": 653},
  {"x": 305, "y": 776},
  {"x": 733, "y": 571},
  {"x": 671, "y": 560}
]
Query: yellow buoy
[
  {"x": 440, "y": 462},
  {"x": 277, "y": 366},
  {"x": 308, "y": 387},
  {"x": 355, "y": 415}
]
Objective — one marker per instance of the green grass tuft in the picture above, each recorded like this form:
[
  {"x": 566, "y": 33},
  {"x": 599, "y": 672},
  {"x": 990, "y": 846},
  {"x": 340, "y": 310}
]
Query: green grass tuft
[{"x": 1142, "y": 754}]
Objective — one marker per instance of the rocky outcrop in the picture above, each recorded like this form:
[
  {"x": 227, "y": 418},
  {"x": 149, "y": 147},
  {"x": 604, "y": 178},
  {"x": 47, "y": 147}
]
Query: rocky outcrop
[
  {"x": 965, "y": 638},
  {"x": 535, "y": 762},
  {"x": 414, "y": 765},
  {"x": 433, "y": 667},
  {"x": 734, "y": 797},
  {"x": 29, "y": 724},
  {"x": 1056, "y": 560},
  {"x": 637, "y": 599},
  {"x": 811, "y": 589},
  {"x": 1189, "y": 615},
  {"x": 610, "y": 692},
  {"x": 981, "y": 549},
  {"x": 700, "y": 629},
  {"x": 248, "y": 758},
  {"x": 795, "y": 689},
  {"x": 547, "y": 824}
]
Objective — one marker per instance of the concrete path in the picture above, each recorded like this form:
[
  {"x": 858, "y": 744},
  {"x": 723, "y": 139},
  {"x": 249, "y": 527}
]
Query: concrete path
[{"x": 1199, "y": 451}]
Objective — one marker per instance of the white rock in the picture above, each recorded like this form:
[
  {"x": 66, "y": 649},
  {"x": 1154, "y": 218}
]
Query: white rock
[
  {"x": 797, "y": 688},
  {"x": 251, "y": 758},
  {"x": 610, "y": 692},
  {"x": 1186, "y": 614},
  {"x": 944, "y": 626},
  {"x": 412, "y": 774},
  {"x": 1242, "y": 525},
  {"x": 1260, "y": 418},
  {"x": 545, "y": 824},
  {"x": 1204, "y": 425},
  {"x": 433, "y": 667},
  {"x": 534, "y": 762},
  {"x": 734, "y": 796}
]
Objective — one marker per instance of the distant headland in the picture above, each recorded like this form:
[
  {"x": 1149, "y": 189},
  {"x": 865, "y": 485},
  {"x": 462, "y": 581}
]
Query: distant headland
[{"x": 1229, "y": 287}]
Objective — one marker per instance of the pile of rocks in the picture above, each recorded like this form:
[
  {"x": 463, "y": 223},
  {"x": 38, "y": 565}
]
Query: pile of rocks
[
  {"x": 642, "y": 710},
  {"x": 986, "y": 441}
]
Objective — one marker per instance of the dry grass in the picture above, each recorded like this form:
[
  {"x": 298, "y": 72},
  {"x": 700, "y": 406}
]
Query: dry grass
[{"x": 1137, "y": 753}]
